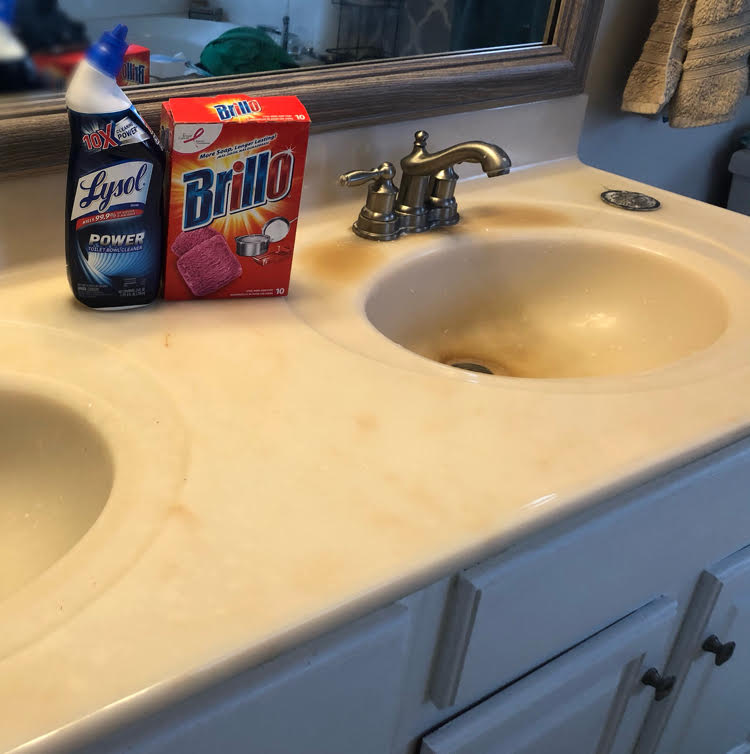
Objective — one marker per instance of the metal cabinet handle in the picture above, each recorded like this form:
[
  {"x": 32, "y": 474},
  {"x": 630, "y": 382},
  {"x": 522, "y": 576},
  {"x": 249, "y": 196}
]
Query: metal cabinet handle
[
  {"x": 662, "y": 685},
  {"x": 723, "y": 652}
]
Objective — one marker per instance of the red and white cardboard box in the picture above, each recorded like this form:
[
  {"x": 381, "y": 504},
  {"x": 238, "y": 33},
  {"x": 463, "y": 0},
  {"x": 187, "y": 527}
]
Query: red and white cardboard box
[{"x": 234, "y": 180}]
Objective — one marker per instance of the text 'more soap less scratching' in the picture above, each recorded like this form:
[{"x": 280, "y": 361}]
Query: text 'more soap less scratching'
[{"x": 113, "y": 214}]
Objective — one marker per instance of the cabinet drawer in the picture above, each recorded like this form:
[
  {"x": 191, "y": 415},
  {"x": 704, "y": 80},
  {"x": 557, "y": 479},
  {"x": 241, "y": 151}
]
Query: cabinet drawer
[
  {"x": 589, "y": 700},
  {"x": 507, "y": 616},
  {"x": 708, "y": 708}
]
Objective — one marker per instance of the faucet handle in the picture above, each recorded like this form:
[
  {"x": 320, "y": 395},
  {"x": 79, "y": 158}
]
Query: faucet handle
[
  {"x": 377, "y": 219},
  {"x": 382, "y": 173}
]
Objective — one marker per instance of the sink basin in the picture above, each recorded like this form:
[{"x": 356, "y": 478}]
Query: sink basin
[
  {"x": 547, "y": 307},
  {"x": 56, "y": 474},
  {"x": 92, "y": 456}
]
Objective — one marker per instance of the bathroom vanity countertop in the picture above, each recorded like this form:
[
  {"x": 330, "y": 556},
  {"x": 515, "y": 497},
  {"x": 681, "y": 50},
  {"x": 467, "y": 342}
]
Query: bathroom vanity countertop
[{"x": 317, "y": 481}]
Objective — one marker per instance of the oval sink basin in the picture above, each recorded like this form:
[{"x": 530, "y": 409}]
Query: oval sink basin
[
  {"x": 92, "y": 454},
  {"x": 56, "y": 474},
  {"x": 544, "y": 308}
]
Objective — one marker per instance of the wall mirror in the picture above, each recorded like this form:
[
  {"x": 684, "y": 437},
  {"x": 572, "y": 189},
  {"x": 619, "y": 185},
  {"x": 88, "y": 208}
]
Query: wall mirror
[{"x": 350, "y": 61}]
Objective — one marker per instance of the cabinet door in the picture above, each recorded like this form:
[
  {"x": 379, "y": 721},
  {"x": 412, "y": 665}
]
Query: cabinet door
[
  {"x": 711, "y": 712},
  {"x": 337, "y": 695},
  {"x": 589, "y": 700}
]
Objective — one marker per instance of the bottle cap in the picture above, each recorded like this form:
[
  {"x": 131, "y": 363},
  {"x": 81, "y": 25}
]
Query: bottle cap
[
  {"x": 108, "y": 53},
  {"x": 7, "y": 11}
]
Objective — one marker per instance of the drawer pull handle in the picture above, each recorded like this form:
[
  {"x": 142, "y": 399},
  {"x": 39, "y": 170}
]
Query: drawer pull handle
[
  {"x": 662, "y": 685},
  {"x": 723, "y": 652}
]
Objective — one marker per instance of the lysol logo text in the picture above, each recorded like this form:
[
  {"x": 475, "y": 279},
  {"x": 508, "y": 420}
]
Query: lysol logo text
[
  {"x": 102, "y": 138},
  {"x": 261, "y": 178},
  {"x": 97, "y": 191},
  {"x": 231, "y": 110}
]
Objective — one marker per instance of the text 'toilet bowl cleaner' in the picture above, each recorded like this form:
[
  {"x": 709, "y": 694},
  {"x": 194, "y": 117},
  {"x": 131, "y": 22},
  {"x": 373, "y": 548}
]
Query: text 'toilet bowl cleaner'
[{"x": 113, "y": 243}]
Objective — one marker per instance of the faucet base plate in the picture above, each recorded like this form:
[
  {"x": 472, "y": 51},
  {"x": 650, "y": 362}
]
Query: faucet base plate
[
  {"x": 374, "y": 235},
  {"x": 440, "y": 216}
]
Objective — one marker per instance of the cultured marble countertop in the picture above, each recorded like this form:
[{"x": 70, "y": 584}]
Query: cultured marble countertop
[{"x": 314, "y": 471}]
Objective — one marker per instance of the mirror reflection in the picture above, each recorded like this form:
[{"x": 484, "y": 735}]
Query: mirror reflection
[{"x": 42, "y": 40}]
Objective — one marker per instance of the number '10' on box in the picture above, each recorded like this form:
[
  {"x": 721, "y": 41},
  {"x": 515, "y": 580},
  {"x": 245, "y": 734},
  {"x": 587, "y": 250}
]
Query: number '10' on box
[{"x": 234, "y": 178}]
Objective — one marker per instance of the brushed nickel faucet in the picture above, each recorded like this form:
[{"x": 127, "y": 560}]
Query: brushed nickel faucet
[{"x": 426, "y": 198}]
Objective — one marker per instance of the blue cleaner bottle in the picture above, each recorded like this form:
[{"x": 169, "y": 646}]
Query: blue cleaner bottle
[{"x": 113, "y": 214}]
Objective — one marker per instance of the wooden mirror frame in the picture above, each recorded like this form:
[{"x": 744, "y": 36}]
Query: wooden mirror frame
[{"x": 34, "y": 131}]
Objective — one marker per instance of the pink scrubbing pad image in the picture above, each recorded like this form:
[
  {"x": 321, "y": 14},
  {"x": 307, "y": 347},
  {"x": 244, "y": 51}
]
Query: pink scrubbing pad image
[
  {"x": 209, "y": 266},
  {"x": 189, "y": 239}
]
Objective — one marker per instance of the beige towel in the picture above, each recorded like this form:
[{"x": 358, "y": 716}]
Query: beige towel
[
  {"x": 655, "y": 76},
  {"x": 715, "y": 75}
]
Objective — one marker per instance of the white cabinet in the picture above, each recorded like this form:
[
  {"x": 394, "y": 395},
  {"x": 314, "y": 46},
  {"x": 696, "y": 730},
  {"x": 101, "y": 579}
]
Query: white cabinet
[
  {"x": 710, "y": 711},
  {"x": 589, "y": 700},
  {"x": 337, "y": 695},
  {"x": 509, "y": 614}
]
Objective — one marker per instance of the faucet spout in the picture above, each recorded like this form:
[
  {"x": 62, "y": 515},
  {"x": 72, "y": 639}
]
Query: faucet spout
[
  {"x": 425, "y": 198},
  {"x": 493, "y": 159}
]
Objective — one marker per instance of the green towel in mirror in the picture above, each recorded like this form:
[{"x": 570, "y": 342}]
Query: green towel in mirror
[{"x": 244, "y": 50}]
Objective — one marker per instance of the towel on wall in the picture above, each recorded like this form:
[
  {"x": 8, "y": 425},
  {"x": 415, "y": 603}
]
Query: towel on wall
[
  {"x": 714, "y": 76},
  {"x": 696, "y": 56},
  {"x": 655, "y": 76}
]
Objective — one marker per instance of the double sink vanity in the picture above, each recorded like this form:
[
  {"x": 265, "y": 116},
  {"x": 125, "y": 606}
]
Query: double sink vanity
[{"x": 477, "y": 490}]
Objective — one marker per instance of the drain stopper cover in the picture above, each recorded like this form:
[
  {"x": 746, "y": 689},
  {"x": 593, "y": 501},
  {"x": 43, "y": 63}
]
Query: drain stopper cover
[{"x": 631, "y": 200}]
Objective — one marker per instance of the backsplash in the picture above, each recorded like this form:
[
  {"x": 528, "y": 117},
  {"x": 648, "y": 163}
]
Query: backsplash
[{"x": 530, "y": 133}]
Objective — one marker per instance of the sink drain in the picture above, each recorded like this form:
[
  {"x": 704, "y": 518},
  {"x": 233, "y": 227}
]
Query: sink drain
[
  {"x": 633, "y": 201},
  {"x": 471, "y": 366}
]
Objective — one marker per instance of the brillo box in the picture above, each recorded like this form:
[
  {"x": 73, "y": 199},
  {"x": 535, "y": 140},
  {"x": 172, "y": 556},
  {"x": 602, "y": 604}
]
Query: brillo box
[{"x": 235, "y": 165}]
